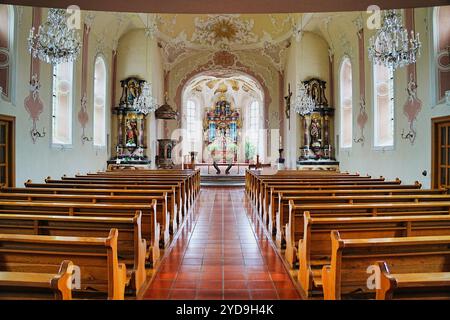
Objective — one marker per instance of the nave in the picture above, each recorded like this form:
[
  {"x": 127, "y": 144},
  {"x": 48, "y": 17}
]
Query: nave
[{"x": 222, "y": 253}]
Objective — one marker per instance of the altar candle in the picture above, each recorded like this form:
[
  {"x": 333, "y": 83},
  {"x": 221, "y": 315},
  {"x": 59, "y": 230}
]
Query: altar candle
[{"x": 280, "y": 142}]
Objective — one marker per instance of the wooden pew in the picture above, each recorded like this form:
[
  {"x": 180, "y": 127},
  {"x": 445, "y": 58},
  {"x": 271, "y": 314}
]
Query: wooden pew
[
  {"x": 281, "y": 218},
  {"x": 255, "y": 179},
  {"x": 194, "y": 176},
  {"x": 101, "y": 273},
  {"x": 165, "y": 224},
  {"x": 261, "y": 183},
  {"x": 180, "y": 195},
  {"x": 165, "y": 197},
  {"x": 164, "y": 217},
  {"x": 131, "y": 246},
  {"x": 36, "y": 285},
  {"x": 252, "y": 176},
  {"x": 347, "y": 276},
  {"x": 150, "y": 227},
  {"x": 412, "y": 285},
  {"x": 314, "y": 249},
  {"x": 280, "y": 199},
  {"x": 187, "y": 184},
  {"x": 295, "y": 226},
  {"x": 321, "y": 185},
  {"x": 266, "y": 187},
  {"x": 132, "y": 183}
]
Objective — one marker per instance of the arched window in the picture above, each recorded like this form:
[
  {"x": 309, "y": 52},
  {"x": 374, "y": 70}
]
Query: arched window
[
  {"x": 442, "y": 49},
  {"x": 62, "y": 103},
  {"x": 346, "y": 103},
  {"x": 192, "y": 126},
  {"x": 6, "y": 50},
  {"x": 99, "y": 102},
  {"x": 253, "y": 147},
  {"x": 383, "y": 106}
]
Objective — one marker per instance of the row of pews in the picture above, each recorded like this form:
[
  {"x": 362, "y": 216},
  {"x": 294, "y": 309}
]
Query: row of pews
[
  {"x": 91, "y": 236},
  {"x": 348, "y": 236}
]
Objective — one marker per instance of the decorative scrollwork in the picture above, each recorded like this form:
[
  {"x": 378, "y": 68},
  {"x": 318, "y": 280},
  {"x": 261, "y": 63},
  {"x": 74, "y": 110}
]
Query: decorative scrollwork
[
  {"x": 35, "y": 134},
  {"x": 411, "y": 135}
]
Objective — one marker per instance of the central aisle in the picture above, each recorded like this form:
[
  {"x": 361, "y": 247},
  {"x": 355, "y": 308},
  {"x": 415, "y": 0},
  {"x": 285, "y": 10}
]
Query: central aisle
[{"x": 220, "y": 254}]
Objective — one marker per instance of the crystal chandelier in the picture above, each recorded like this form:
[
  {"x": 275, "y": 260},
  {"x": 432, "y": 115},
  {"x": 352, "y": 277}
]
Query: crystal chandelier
[
  {"x": 55, "y": 42},
  {"x": 303, "y": 102},
  {"x": 145, "y": 102},
  {"x": 390, "y": 46}
]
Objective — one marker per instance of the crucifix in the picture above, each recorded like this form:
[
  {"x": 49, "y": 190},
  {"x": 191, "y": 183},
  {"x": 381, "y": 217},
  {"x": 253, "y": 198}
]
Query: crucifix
[{"x": 288, "y": 105}]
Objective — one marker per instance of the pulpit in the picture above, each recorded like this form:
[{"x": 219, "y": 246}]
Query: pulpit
[{"x": 164, "y": 158}]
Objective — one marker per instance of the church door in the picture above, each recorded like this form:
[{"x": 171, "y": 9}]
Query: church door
[
  {"x": 6, "y": 151},
  {"x": 441, "y": 152}
]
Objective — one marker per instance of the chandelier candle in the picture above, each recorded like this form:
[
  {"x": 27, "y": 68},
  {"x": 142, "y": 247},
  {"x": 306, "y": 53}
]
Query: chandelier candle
[
  {"x": 54, "y": 42},
  {"x": 391, "y": 46}
]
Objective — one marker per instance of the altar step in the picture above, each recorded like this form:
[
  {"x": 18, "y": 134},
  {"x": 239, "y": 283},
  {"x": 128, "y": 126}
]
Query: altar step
[{"x": 222, "y": 181}]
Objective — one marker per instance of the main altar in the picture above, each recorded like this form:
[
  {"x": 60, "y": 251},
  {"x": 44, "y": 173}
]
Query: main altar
[
  {"x": 220, "y": 126},
  {"x": 317, "y": 131}
]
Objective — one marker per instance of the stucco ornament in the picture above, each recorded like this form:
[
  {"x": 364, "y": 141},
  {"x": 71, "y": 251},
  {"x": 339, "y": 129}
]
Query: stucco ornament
[{"x": 223, "y": 29}]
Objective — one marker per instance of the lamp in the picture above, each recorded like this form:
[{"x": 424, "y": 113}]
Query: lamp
[
  {"x": 303, "y": 102},
  {"x": 391, "y": 46},
  {"x": 145, "y": 102},
  {"x": 55, "y": 42}
]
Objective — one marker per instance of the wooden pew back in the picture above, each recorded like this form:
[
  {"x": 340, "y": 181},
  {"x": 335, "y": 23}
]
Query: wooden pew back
[
  {"x": 100, "y": 270},
  {"x": 350, "y": 259}
]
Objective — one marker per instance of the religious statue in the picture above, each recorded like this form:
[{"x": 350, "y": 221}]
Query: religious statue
[
  {"x": 315, "y": 133},
  {"x": 288, "y": 102},
  {"x": 131, "y": 134},
  {"x": 132, "y": 92}
]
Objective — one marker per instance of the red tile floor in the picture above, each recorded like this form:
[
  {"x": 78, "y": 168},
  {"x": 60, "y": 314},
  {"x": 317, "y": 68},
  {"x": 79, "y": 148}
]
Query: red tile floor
[{"x": 222, "y": 253}]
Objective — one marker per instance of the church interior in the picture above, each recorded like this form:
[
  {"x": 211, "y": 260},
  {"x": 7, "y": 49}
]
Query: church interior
[{"x": 246, "y": 150}]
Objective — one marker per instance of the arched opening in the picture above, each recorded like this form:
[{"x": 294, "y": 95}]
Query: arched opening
[{"x": 223, "y": 117}]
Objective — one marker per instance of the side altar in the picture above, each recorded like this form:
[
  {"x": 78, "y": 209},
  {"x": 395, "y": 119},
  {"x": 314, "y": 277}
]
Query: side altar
[
  {"x": 131, "y": 127},
  {"x": 317, "y": 131}
]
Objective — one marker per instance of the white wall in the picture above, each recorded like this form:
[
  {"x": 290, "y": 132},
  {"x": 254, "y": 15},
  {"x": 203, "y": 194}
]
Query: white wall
[
  {"x": 307, "y": 58},
  {"x": 38, "y": 160},
  {"x": 405, "y": 161},
  {"x": 140, "y": 56}
]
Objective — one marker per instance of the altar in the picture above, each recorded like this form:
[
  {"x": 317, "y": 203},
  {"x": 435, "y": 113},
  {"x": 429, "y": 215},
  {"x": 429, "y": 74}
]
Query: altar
[
  {"x": 130, "y": 127},
  {"x": 220, "y": 126},
  {"x": 236, "y": 168},
  {"x": 317, "y": 131}
]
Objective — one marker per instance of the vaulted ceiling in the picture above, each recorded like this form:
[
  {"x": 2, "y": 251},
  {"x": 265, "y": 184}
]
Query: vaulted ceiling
[
  {"x": 225, "y": 31},
  {"x": 229, "y": 6}
]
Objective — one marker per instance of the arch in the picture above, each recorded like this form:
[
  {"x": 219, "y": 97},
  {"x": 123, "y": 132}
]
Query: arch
[
  {"x": 225, "y": 61},
  {"x": 241, "y": 91}
]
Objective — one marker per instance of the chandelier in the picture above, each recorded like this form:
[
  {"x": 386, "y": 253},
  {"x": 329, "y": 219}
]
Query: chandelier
[
  {"x": 303, "y": 102},
  {"x": 145, "y": 102},
  {"x": 55, "y": 42},
  {"x": 390, "y": 46}
]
